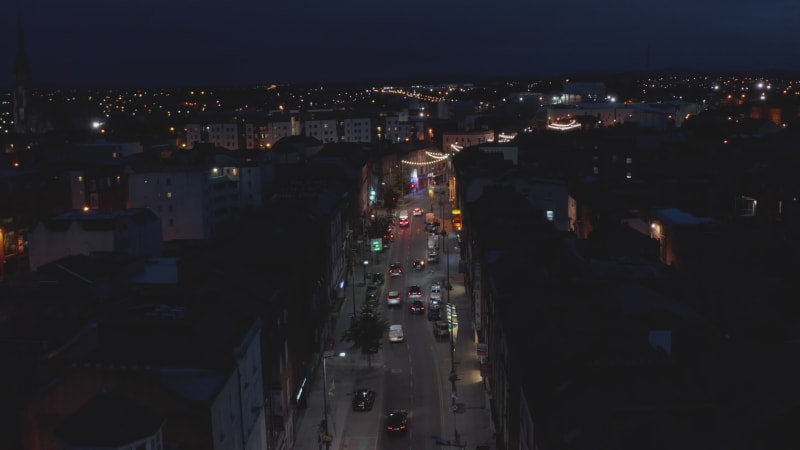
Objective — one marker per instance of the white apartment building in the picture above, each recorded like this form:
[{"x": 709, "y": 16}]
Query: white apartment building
[
  {"x": 323, "y": 129},
  {"x": 279, "y": 129},
  {"x": 190, "y": 202},
  {"x": 358, "y": 129},
  {"x": 223, "y": 135},
  {"x": 237, "y": 411}
]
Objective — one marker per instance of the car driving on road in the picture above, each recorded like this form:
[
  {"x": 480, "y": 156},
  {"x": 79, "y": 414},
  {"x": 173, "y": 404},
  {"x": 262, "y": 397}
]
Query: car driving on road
[
  {"x": 396, "y": 333},
  {"x": 396, "y": 421},
  {"x": 393, "y": 298},
  {"x": 395, "y": 269}
]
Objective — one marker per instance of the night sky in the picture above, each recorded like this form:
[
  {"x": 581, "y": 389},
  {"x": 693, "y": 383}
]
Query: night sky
[{"x": 171, "y": 43}]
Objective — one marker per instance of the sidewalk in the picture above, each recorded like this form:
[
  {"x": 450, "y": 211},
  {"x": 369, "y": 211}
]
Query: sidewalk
[
  {"x": 470, "y": 425},
  {"x": 341, "y": 379}
]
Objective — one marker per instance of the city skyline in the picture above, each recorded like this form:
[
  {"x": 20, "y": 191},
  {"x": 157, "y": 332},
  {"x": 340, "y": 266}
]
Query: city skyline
[{"x": 105, "y": 45}]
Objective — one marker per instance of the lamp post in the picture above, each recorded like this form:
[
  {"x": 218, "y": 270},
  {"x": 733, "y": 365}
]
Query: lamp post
[
  {"x": 2, "y": 255},
  {"x": 325, "y": 436},
  {"x": 353, "y": 285}
]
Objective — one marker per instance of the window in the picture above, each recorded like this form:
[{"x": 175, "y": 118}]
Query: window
[{"x": 550, "y": 215}]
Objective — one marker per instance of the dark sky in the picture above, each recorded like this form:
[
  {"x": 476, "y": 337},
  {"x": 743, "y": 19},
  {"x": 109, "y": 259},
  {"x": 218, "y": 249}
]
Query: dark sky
[{"x": 148, "y": 43}]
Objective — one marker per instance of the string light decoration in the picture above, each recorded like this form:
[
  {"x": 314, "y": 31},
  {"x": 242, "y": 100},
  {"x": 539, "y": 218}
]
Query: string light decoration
[{"x": 437, "y": 157}]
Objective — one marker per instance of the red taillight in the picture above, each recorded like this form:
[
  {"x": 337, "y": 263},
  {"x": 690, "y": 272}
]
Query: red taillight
[
  {"x": 402, "y": 427},
  {"x": 389, "y": 428}
]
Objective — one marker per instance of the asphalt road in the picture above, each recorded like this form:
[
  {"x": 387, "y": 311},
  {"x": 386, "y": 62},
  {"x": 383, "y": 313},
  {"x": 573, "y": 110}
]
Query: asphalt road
[{"x": 410, "y": 373}]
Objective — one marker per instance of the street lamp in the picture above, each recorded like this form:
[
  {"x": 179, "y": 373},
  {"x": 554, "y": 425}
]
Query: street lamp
[
  {"x": 430, "y": 195},
  {"x": 451, "y": 324},
  {"x": 366, "y": 263},
  {"x": 2, "y": 255},
  {"x": 325, "y": 436}
]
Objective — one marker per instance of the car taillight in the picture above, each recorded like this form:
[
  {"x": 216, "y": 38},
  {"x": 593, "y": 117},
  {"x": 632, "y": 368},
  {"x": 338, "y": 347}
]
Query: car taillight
[
  {"x": 402, "y": 427},
  {"x": 390, "y": 428}
]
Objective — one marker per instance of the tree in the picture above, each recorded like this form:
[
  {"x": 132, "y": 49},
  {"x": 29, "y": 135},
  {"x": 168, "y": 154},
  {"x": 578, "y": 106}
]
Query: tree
[{"x": 367, "y": 331}]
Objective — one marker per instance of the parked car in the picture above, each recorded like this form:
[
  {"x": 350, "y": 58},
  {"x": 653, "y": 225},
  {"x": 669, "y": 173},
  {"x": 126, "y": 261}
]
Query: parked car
[
  {"x": 433, "y": 257},
  {"x": 436, "y": 293},
  {"x": 441, "y": 329},
  {"x": 372, "y": 292},
  {"x": 435, "y": 312},
  {"x": 363, "y": 399},
  {"x": 377, "y": 278},
  {"x": 396, "y": 333}
]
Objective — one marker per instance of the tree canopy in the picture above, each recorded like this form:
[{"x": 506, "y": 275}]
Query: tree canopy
[{"x": 367, "y": 331}]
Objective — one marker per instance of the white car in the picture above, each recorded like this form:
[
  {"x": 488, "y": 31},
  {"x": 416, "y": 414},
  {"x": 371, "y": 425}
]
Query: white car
[
  {"x": 393, "y": 298},
  {"x": 396, "y": 333},
  {"x": 436, "y": 293}
]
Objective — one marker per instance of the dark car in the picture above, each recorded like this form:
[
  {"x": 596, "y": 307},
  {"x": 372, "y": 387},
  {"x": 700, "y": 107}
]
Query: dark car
[
  {"x": 414, "y": 291},
  {"x": 363, "y": 399},
  {"x": 441, "y": 329},
  {"x": 433, "y": 257},
  {"x": 377, "y": 278},
  {"x": 372, "y": 292},
  {"x": 397, "y": 421},
  {"x": 435, "y": 313},
  {"x": 395, "y": 269},
  {"x": 417, "y": 307},
  {"x": 418, "y": 265}
]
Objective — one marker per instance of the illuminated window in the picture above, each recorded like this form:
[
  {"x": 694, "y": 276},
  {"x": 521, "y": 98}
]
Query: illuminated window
[
  {"x": 550, "y": 215},
  {"x": 169, "y": 194}
]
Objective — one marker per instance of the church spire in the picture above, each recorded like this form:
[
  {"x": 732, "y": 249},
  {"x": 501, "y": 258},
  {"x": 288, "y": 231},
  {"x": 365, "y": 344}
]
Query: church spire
[
  {"x": 21, "y": 65},
  {"x": 22, "y": 84}
]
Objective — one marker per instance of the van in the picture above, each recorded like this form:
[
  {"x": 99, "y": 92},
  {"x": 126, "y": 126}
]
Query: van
[
  {"x": 433, "y": 243},
  {"x": 430, "y": 218}
]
